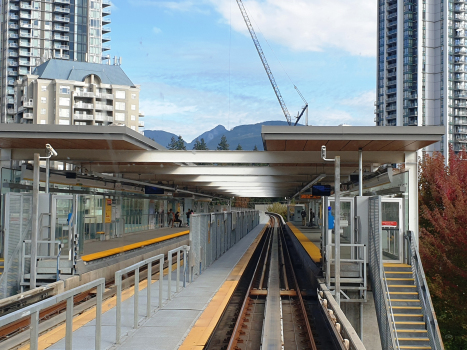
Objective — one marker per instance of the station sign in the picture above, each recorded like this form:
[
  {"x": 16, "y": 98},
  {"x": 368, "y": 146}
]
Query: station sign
[
  {"x": 108, "y": 210},
  {"x": 309, "y": 196},
  {"x": 389, "y": 223}
]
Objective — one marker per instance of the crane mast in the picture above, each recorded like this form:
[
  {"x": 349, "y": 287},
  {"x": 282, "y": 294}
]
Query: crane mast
[{"x": 265, "y": 62}]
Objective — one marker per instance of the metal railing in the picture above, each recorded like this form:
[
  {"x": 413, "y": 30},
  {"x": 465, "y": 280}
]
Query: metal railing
[
  {"x": 118, "y": 283},
  {"x": 50, "y": 255},
  {"x": 429, "y": 315},
  {"x": 185, "y": 250},
  {"x": 384, "y": 313},
  {"x": 34, "y": 310}
]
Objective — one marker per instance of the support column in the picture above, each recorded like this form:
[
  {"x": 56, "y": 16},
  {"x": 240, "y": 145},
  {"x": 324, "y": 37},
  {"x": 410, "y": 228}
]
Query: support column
[
  {"x": 35, "y": 219},
  {"x": 360, "y": 172},
  {"x": 337, "y": 227},
  {"x": 411, "y": 163}
]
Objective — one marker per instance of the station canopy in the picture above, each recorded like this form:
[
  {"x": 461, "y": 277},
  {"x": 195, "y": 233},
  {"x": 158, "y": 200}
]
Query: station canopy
[{"x": 291, "y": 160}]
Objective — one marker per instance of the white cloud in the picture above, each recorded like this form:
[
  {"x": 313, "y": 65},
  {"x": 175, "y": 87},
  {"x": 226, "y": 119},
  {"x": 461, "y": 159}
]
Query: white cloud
[
  {"x": 182, "y": 6},
  {"x": 363, "y": 100},
  {"x": 311, "y": 25},
  {"x": 156, "y": 30}
]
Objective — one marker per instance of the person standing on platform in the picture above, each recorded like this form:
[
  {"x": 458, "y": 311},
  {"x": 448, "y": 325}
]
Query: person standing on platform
[
  {"x": 312, "y": 217},
  {"x": 188, "y": 214},
  {"x": 170, "y": 217},
  {"x": 177, "y": 219},
  {"x": 303, "y": 217}
]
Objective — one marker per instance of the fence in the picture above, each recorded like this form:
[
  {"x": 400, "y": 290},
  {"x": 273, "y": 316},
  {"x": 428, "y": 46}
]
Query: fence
[
  {"x": 211, "y": 235},
  {"x": 428, "y": 311},
  {"x": 386, "y": 322},
  {"x": 34, "y": 310}
]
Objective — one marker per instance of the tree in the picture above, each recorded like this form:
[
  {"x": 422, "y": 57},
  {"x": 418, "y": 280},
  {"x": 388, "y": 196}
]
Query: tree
[
  {"x": 239, "y": 147},
  {"x": 223, "y": 145},
  {"x": 278, "y": 208},
  {"x": 200, "y": 146},
  {"x": 443, "y": 241},
  {"x": 177, "y": 144},
  {"x": 255, "y": 149}
]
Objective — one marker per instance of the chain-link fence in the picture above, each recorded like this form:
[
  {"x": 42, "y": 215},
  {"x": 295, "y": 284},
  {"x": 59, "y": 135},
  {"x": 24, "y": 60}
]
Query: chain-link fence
[{"x": 211, "y": 235}]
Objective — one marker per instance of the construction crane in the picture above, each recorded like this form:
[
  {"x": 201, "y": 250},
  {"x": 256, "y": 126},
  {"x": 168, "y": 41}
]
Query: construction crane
[{"x": 268, "y": 69}]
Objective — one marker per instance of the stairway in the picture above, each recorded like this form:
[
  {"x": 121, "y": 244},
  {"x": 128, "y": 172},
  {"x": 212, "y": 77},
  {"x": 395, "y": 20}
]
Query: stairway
[
  {"x": 2, "y": 266},
  {"x": 407, "y": 310},
  {"x": 47, "y": 271}
]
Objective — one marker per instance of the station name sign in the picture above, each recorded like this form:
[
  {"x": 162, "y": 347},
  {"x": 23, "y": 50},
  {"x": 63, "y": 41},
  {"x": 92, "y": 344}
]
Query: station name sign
[{"x": 309, "y": 196}]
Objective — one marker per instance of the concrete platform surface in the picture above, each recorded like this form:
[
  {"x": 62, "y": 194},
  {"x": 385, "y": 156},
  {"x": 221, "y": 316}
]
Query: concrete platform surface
[
  {"x": 91, "y": 247},
  {"x": 168, "y": 326}
]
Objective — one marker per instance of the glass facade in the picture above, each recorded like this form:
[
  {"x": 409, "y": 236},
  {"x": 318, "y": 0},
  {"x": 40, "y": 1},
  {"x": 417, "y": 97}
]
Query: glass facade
[{"x": 410, "y": 62}]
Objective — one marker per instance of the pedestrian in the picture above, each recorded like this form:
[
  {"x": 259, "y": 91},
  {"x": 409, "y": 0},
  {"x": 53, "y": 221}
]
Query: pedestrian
[
  {"x": 312, "y": 217},
  {"x": 177, "y": 219},
  {"x": 303, "y": 217},
  {"x": 170, "y": 217},
  {"x": 188, "y": 214}
]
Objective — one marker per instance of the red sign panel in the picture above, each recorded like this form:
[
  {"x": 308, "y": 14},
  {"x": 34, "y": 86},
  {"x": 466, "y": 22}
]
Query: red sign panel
[{"x": 389, "y": 223}]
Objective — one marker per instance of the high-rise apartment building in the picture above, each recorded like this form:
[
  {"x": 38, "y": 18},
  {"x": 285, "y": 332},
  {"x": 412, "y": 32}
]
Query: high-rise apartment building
[
  {"x": 34, "y": 31},
  {"x": 422, "y": 67}
]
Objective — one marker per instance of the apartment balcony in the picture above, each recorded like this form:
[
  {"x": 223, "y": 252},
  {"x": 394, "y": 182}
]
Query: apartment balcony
[
  {"x": 61, "y": 19},
  {"x": 392, "y": 15},
  {"x": 62, "y": 56},
  {"x": 11, "y": 111},
  {"x": 13, "y": 16},
  {"x": 392, "y": 99},
  {"x": 391, "y": 91},
  {"x": 391, "y": 41},
  {"x": 391, "y": 32},
  {"x": 12, "y": 54},
  {"x": 11, "y": 82},
  {"x": 28, "y": 104},
  {"x": 62, "y": 2},
  {"x": 23, "y": 43},
  {"x": 141, "y": 124},
  {"x": 106, "y": 48},
  {"x": 105, "y": 96},
  {"x": 61, "y": 47},
  {"x": 392, "y": 24},
  {"x": 28, "y": 115},
  {"x": 13, "y": 36},
  {"x": 392, "y": 7},
  {"x": 105, "y": 39},
  {"x": 106, "y": 20},
  {"x": 106, "y": 3},
  {"x": 391, "y": 83},
  {"x": 81, "y": 116},
  {"x": 13, "y": 26},
  {"x": 392, "y": 74},
  {"x": 24, "y": 63},
  {"x": 25, "y": 6},
  {"x": 25, "y": 25},
  {"x": 12, "y": 64},
  {"x": 106, "y": 11},
  {"x": 391, "y": 58},
  {"x": 106, "y": 30},
  {"x": 61, "y": 9},
  {"x": 82, "y": 105},
  {"x": 102, "y": 107},
  {"x": 12, "y": 73},
  {"x": 10, "y": 100},
  {"x": 61, "y": 37},
  {"x": 13, "y": 45},
  {"x": 25, "y": 34},
  {"x": 61, "y": 28},
  {"x": 84, "y": 94},
  {"x": 25, "y": 53},
  {"x": 25, "y": 15}
]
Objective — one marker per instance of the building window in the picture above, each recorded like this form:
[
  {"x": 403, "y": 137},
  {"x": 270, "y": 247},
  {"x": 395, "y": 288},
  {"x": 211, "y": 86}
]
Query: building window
[
  {"x": 43, "y": 87},
  {"x": 120, "y": 116},
  {"x": 65, "y": 90},
  {"x": 133, "y": 117},
  {"x": 64, "y": 101},
  {"x": 42, "y": 121},
  {"x": 64, "y": 122},
  {"x": 44, "y": 99},
  {"x": 133, "y": 96},
  {"x": 133, "y": 107},
  {"x": 64, "y": 113},
  {"x": 43, "y": 111},
  {"x": 120, "y": 94},
  {"x": 120, "y": 106}
]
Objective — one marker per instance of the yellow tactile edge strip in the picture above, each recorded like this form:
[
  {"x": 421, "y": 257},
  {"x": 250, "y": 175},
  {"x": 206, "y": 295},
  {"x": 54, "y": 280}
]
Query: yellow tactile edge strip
[
  {"x": 311, "y": 248},
  {"x": 204, "y": 326},
  {"x": 109, "y": 252},
  {"x": 58, "y": 333}
]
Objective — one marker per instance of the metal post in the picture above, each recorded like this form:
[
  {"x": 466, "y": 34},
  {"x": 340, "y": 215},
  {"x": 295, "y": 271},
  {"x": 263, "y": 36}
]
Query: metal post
[
  {"x": 100, "y": 291},
  {"x": 360, "y": 172},
  {"x": 185, "y": 266},
  {"x": 178, "y": 271},
  {"x": 47, "y": 175},
  {"x": 148, "y": 303},
  {"x": 161, "y": 279},
  {"x": 35, "y": 219},
  {"x": 136, "y": 300},
  {"x": 34, "y": 335},
  {"x": 69, "y": 324},
  {"x": 118, "y": 281},
  {"x": 169, "y": 275},
  {"x": 337, "y": 227},
  {"x": 306, "y": 117}
]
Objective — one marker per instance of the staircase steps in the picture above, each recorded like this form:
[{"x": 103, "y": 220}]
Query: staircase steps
[
  {"x": 2, "y": 266},
  {"x": 407, "y": 311}
]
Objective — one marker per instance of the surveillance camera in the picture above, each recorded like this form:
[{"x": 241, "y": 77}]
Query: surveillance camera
[
  {"x": 51, "y": 150},
  {"x": 323, "y": 152}
]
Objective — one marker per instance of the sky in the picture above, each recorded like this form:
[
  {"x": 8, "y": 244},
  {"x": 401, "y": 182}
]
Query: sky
[{"x": 198, "y": 67}]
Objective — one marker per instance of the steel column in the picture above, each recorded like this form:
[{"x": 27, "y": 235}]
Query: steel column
[
  {"x": 35, "y": 220},
  {"x": 337, "y": 227},
  {"x": 360, "y": 172}
]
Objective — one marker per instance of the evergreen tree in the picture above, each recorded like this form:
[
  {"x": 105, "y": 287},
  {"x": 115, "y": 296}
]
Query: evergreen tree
[
  {"x": 255, "y": 149},
  {"x": 239, "y": 147},
  {"x": 177, "y": 144},
  {"x": 223, "y": 145},
  {"x": 200, "y": 146}
]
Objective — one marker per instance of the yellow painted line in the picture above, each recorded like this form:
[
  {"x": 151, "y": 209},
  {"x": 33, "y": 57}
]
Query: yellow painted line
[
  {"x": 110, "y": 252},
  {"x": 406, "y": 293},
  {"x": 419, "y": 323},
  {"x": 415, "y": 339},
  {"x": 414, "y": 347},
  {"x": 404, "y": 272},
  {"x": 401, "y": 286},
  {"x": 313, "y": 251},
  {"x": 58, "y": 333},
  {"x": 405, "y": 300},
  {"x": 411, "y": 330},
  {"x": 406, "y": 307},
  {"x": 408, "y": 315},
  {"x": 395, "y": 265},
  {"x": 204, "y": 326},
  {"x": 399, "y": 279}
]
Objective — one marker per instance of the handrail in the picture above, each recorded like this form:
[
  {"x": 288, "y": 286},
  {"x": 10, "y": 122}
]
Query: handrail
[
  {"x": 388, "y": 300},
  {"x": 177, "y": 250},
  {"x": 429, "y": 315},
  {"x": 34, "y": 310}
]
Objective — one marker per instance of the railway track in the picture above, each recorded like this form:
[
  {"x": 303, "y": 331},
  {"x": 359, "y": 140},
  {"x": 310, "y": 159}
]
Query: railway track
[{"x": 268, "y": 310}]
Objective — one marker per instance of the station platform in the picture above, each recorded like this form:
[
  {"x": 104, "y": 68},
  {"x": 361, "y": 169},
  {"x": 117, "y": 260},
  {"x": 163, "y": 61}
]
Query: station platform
[
  {"x": 185, "y": 322},
  {"x": 310, "y": 239},
  {"x": 99, "y": 249}
]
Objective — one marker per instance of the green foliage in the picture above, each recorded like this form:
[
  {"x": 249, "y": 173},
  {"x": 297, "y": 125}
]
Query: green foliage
[
  {"x": 200, "y": 146},
  {"x": 443, "y": 241},
  {"x": 176, "y": 144},
  {"x": 239, "y": 147},
  {"x": 278, "y": 208},
  {"x": 223, "y": 145}
]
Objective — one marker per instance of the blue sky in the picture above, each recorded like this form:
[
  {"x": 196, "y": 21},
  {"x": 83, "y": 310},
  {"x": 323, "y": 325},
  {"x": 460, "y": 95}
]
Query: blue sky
[{"x": 198, "y": 67}]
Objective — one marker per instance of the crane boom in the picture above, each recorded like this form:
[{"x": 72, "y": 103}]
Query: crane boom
[{"x": 265, "y": 62}]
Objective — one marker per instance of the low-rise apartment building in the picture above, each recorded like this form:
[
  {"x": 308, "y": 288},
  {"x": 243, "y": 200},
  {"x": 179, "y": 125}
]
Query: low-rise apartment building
[{"x": 78, "y": 93}]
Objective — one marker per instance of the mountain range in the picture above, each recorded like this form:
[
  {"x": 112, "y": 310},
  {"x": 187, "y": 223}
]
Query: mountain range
[{"x": 248, "y": 136}]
